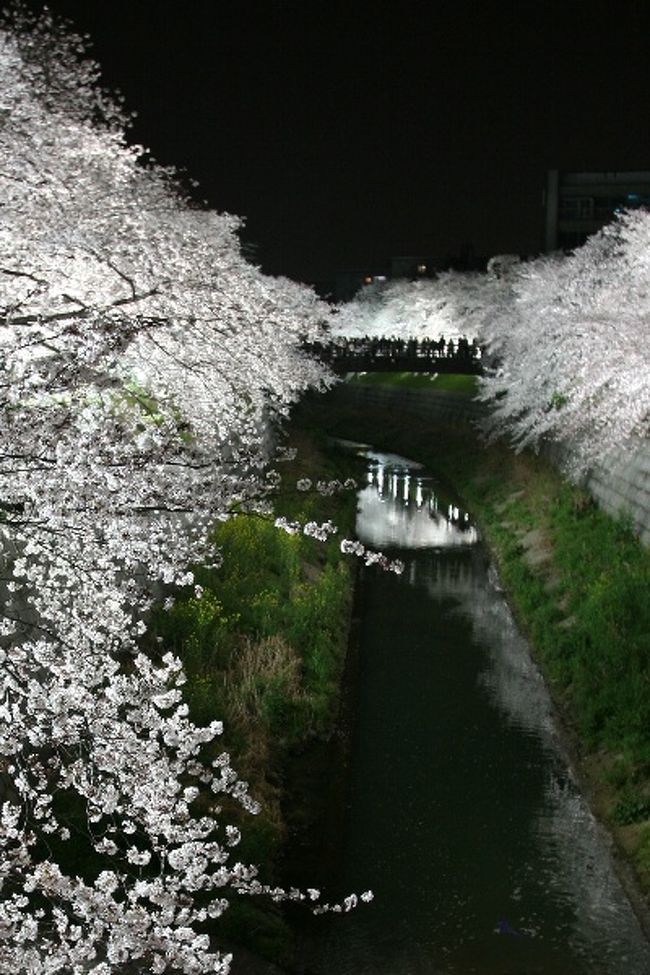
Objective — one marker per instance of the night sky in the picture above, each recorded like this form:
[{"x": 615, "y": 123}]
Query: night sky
[{"x": 349, "y": 133}]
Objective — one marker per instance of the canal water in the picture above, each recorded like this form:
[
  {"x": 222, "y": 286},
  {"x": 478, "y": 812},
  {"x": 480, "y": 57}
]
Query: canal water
[{"x": 462, "y": 814}]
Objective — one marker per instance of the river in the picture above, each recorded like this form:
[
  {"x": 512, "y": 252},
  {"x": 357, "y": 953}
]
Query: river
[{"x": 462, "y": 813}]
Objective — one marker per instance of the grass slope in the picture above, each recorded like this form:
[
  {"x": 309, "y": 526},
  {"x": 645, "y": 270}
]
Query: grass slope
[{"x": 440, "y": 382}]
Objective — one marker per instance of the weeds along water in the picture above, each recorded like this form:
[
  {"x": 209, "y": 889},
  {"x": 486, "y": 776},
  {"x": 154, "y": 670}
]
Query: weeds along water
[{"x": 263, "y": 649}]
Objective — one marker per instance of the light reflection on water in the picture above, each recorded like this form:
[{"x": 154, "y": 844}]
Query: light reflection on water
[
  {"x": 571, "y": 860},
  {"x": 399, "y": 508},
  {"x": 463, "y": 815}
]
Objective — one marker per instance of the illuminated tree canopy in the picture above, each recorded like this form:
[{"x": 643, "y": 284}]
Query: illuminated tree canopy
[
  {"x": 453, "y": 305},
  {"x": 142, "y": 361},
  {"x": 572, "y": 338},
  {"x": 568, "y": 337}
]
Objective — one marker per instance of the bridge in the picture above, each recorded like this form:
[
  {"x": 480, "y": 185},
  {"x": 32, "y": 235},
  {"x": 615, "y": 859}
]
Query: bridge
[{"x": 399, "y": 355}]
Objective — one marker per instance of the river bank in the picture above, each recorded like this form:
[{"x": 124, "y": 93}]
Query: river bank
[
  {"x": 264, "y": 643},
  {"x": 578, "y": 583}
]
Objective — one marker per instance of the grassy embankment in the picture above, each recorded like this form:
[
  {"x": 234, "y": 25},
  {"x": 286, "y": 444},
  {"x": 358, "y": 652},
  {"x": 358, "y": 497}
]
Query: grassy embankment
[
  {"x": 263, "y": 650},
  {"x": 579, "y": 583},
  {"x": 441, "y": 382}
]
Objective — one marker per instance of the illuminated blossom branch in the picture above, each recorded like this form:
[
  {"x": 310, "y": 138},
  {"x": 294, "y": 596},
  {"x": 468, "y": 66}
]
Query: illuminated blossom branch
[
  {"x": 348, "y": 546},
  {"x": 323, "y": 531}
]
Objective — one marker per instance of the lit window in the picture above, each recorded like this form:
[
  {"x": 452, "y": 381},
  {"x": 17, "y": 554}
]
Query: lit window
[
  {"x": 368, "y": 279},
  {"x": 422, "y": 269}
]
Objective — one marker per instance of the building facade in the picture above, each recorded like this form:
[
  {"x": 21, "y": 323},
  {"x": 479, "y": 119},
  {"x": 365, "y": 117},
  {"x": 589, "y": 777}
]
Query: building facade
[{"x": 576, "y": 205}]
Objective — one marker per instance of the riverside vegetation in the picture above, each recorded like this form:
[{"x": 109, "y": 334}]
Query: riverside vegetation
[
  {"x": 578, "y": 582},
  {"x": 263, "y": 649},
  {"x": 264, "y": 646}
]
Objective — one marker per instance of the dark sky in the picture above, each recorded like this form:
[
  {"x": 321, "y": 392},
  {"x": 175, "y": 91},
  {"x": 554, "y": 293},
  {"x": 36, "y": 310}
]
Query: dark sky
[{"x": 347, "y": 133}]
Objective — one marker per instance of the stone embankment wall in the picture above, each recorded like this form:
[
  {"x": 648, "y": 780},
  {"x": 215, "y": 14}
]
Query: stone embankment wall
[
  {"x": 621, "y": 485},
  {"x": 427, "y": 403}
]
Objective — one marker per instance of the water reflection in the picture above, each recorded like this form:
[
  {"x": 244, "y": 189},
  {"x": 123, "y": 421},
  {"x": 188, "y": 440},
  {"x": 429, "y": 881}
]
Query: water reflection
[
  {"x": 399, "y": 508},
  {"x": 463, "y": 814},
  {"x": 568, "y": 860}
]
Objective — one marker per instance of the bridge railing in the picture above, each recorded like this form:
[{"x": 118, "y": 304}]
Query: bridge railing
[{"x": 399, "y": 355}]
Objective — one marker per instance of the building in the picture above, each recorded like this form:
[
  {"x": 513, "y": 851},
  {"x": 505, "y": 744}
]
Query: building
[
  {"x": 413, "y": 268},
  {"x": 578, "y": 204},
  {"x": 348, "y": 282}
]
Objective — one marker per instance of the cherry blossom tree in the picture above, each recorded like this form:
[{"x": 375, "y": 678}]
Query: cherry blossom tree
[
  {"x": 142, "y": 361},
  {"x": 452, "y": 304},
  {"x": 572, "y": 338},
  {"x": 567, "y": 338}
]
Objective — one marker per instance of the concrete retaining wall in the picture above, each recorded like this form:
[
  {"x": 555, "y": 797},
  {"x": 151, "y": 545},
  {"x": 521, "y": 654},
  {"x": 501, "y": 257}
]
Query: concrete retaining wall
[
  {"x": 621, "y": 486},
  {"x": 428, "y": 403}
]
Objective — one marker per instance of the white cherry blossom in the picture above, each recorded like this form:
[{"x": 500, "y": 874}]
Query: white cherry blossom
[{"x": 143, "y": 362}]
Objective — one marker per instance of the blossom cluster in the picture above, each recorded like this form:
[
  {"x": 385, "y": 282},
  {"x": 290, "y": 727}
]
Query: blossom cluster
[
  {"x": 347, "y": 546},
  {"x": 327, "y": 488},
  {"x": 311, "y": 528},
  {"x": 371, "y": 557}
]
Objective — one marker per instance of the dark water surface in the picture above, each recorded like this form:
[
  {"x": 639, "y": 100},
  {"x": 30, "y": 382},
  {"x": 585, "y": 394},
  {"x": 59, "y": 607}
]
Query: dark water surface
[{"x": 463, "y": 816}]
